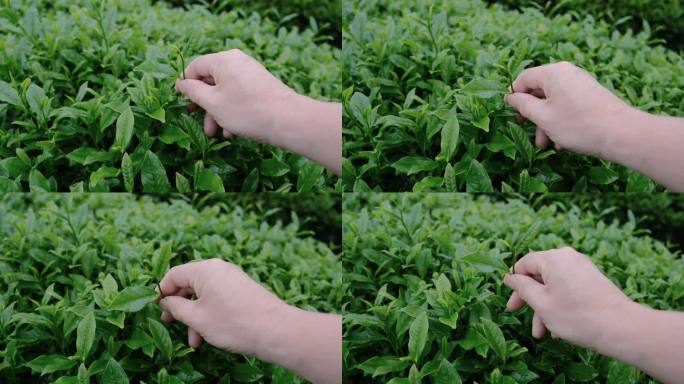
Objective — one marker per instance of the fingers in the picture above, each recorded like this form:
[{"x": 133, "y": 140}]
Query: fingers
[
  {"x": 541, "y": 139},
  {"x": 202, "y": 67},
  {"x": 227, "y": 134},
  {"x": 194, "y": 338},
  {"x": 210, "y": 125},
  {"x": 532, "y": 264},
  {"x": 529, "y": 290},
  {"x": 532, "y": 79},
  {"x": 538, "y": 326},
  {"x": 197, "y": 91},
  {"x": 180, "y": 309},
  {"x": 515, "y": 302},
  {"x": 529, "y": 106},
  {"x": 178, "y": 278}
]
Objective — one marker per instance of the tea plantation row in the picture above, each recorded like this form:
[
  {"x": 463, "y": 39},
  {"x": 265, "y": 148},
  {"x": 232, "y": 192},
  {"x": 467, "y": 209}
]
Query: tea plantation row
[
  {"x": 66, "y": 258},
  {"x": 87, "y": 100},
  {"x": 436, "y": 261},
  {"x": 424, "y": 83},
  {"x": 664, "y": 17}
]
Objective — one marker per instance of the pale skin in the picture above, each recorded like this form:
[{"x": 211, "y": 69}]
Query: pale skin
[
  {"x": 573, "y": 300},
  {"x": 241, "y": 97},
  {"x": 577, "y": 113},
  {"x": 233, "y": 312}
]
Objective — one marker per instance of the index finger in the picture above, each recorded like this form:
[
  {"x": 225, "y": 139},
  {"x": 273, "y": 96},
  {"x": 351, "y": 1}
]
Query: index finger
[
  {"x": 177, "y": 278},
  {"x": 201, "y": 67},
  {"x": 532, "y": 264},
  {"x": 531, "y": 79}
]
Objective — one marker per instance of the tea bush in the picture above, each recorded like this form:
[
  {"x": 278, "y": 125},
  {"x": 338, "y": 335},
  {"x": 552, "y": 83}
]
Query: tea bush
[
  {"x": 665, "y": 17},
  {"x": 326, "y": 15},
  {"x": 71, "y": 260},
  {"x": 424, "y": 83},
  {"x": 426, "y": 302},
  {"x": 87, "y": 100}
]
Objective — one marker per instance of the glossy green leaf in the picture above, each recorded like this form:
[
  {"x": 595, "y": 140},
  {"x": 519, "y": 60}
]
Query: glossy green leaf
[
  {"x": 418, "y": 336},
  {"x": 133, "y": 299},
  {"x": 85, "y": 335},
  {"x": 124, "y": 129},
  {"x": 477, "y": 178},
  {"x": 161, "y": 338},
  {"x": 450, "y": 134},
  {"x": 114, "y": 373},
  {"x": 411, "y": 165},
  {"x": 153, "y": 174}
]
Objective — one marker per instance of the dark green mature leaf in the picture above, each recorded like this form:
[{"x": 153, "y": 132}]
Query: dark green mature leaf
[
  {"x": 446, "y": 374},
  {"x": 124, "y": 129},
  {"x": 128, "y": 173},
  {"x": 477, "y": 179},
  {"x": 161, "y": 338},
  {"x": 114, "y": 373},
  {"x": 418, "y": 336},
  {"x": 450, "y": 133},
  {"x": 411, "y": 165},
  {"x": 491, "y": 332},
  {"x": 133, "y": 299},
  {"x": 209, "y": 181},
  {"x": 581, "y": 372},
  {"x": 380, "y": 365},
  {"x": 9, "y": 95},
  {"x": 602, "y": 175},
  {"x": 273, "y": 168},
  {"x": 50, "y": 363},
  {"x": 153, "y": 174},
  {"x": 483, "y": 88},
  {"x": 85, "y": 335}
]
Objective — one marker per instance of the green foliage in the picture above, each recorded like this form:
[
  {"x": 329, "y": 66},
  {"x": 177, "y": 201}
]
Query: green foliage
[
  {"x": 79, "y": 271},
  {"x": 409, "y": 258},
  {"x": 411, "y": 67},
  {"x": 664, "y": 17},
  {"x": 323, "y": 17},
  {"x": 87, "y": 100}
]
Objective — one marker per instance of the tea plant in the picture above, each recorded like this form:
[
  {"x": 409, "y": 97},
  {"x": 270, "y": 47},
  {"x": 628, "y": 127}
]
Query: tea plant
[
  {"x": 666, "y": 17},
  {"x": 424, "y": 83},
  {"x": 87, "y": 100},
  {"x": 323, "y": 17},
  {"x": 426, "y": 302},
  {"x": 78, "y": 279}
]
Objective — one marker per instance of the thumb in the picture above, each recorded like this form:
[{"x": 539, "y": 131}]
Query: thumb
[
  {"x": 528, "y": 106},
  {"x": 198, "y": 91},
  {"x": 180, "y": 308},
  {"x": 529, "y": 289}
]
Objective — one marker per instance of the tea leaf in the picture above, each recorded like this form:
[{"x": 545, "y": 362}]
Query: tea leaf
[
  {"x": 133, "y": 299},
  {"x": 418, "y": 336},
  {"x": 85, "y": 335},
  {"x": 153, "y": 174}
]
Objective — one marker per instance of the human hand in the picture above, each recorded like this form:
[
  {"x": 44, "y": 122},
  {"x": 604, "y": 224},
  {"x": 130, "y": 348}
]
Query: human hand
[
  {"x": 569, "y": 295},
  {"x": 238, "y": 94},
  {"x": 231, "y": 312},
  {"x": 569, "y": 107},
  {"x": 241, "y": 97}
]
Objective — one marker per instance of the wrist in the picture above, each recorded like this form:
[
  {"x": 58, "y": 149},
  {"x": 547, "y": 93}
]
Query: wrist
[
  {"x": 620, "y": 337},
  {"x": 625, "y": 137}
]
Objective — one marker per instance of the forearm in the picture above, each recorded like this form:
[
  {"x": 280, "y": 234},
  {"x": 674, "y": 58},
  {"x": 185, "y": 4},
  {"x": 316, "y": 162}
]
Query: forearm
[
  {"x": 307, "y": 343},
  {"x": 651, "y": 145},
  {"x": 313, "y": 129},
  {"x": 649, "y": 339}
]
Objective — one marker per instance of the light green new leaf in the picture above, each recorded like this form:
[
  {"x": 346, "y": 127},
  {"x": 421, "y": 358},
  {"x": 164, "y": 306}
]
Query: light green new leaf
[
  {"x": 483, "y": 88},
  {"x": 124, "y": 129},
  {"x": 450, "y": 133},
  {"x": 85, "y": 335},
  {"x": 133, "y": 299},
  {"x": 153, "y": 174},
  {"x": 114, "y": 373},
  {"x": 35, "y": 96},
  {"x": 491, "y": 332},
  {"x": 161, "y": 338},
  {"x": 418, "y": 336}
]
